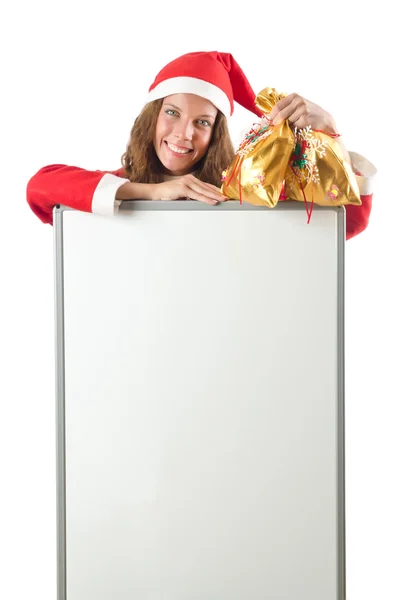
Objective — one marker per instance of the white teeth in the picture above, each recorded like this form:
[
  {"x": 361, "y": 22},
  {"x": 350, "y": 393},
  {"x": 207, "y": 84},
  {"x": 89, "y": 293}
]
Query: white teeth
[{"x": 176, "y": 149}]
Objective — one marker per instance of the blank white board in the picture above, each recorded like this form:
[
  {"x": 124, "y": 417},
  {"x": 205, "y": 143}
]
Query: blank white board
[{"x": 200, "y": 400}]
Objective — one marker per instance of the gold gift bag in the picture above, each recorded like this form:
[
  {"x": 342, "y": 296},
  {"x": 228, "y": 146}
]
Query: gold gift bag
[
  {"x": 257, "y": 172},
  {"x": 317, "y": 172}
]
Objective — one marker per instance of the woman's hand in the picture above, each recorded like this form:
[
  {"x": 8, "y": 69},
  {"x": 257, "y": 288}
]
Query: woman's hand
[
  {"x": 187, "y": 187},
  {"x": 302, "y": 113}
]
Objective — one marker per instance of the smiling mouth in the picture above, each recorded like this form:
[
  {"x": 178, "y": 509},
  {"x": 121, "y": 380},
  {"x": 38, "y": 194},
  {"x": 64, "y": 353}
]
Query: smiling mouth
[{"x": 177, "y": 149}]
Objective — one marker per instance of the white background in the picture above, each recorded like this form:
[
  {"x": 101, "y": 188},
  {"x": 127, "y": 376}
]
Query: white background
[{"x": 73, "y": 77}]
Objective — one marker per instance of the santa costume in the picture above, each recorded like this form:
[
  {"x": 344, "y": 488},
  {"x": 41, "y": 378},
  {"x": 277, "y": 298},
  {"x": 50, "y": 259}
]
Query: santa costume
[{"x": 214, "y": 76}]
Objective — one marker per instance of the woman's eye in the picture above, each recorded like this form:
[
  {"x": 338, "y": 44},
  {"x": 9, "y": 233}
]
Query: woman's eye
[
  {"x": 171, "y": 112},
  {"x": 204, "y": 122}
]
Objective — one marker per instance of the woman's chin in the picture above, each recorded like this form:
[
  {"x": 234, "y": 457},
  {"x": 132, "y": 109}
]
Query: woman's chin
[{"x": 174, "y": 167}]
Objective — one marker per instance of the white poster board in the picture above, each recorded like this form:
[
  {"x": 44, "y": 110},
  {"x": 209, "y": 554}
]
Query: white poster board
[{"x": 200, "y": 384}]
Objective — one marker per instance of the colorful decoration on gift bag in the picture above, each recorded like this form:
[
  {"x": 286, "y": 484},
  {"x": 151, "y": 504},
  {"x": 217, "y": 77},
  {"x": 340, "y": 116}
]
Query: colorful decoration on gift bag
[
  {"x": 302, "y": 164},
  {"x": 318, "y": 171},
  {"x": 258, "y": 132}
]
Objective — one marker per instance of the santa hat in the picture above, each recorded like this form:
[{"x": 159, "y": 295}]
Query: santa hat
[{"x": 215, "y": 76}]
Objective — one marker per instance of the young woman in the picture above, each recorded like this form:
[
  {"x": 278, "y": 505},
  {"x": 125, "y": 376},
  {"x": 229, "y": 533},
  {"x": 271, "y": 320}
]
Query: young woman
[{"x": 180, "y": 144}]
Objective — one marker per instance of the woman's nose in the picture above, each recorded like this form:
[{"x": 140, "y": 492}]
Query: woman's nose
[{"x": 184, "y": 130}]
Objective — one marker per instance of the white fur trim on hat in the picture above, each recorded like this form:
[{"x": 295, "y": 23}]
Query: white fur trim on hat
[{"x": 191, "y": 85}]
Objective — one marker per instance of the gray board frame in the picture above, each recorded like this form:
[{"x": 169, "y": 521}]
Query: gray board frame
[{"x": 60, "y": 366}]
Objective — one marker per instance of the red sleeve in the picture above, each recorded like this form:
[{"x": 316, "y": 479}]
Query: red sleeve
[
  {"x": 61, "y": 184},
  {"x": 357, "y": 217}
]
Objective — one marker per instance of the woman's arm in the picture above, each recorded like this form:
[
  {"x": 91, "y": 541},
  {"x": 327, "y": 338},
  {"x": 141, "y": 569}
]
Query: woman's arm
[
  {"x": 186, "y": 186},
  {"x": 357, "y": 217},
  {"x": 135, "y": 191},
  {"x": 101, "y": 192},
  {"x": 88, "y": 191}
]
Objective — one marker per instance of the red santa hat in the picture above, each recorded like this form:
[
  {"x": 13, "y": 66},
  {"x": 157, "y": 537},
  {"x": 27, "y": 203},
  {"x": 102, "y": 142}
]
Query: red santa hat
[{"x": 215, "y": 76}]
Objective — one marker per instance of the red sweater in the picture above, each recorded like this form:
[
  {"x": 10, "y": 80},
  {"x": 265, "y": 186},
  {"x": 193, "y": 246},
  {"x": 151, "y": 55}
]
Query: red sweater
[{"x": 80, "y": 189}]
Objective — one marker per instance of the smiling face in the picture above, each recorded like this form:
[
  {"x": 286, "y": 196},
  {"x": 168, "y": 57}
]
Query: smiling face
[{"x": 183, "y": 132}]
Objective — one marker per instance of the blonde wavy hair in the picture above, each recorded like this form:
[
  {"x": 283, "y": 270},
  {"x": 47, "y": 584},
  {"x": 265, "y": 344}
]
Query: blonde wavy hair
[{"x": 142, "y": 165}]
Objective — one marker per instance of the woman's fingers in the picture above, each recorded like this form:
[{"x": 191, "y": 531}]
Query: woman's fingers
[
  {"x": 188, "y": 186},
  {"x": 282, "y": 109},
  {"x": 216, "y": 189},
  {"x": 298, "y": 118},
  {"x": 204, "y": 192},
  {"x": 202, "y": 198},
  {"x": 301, "y": 113}
]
